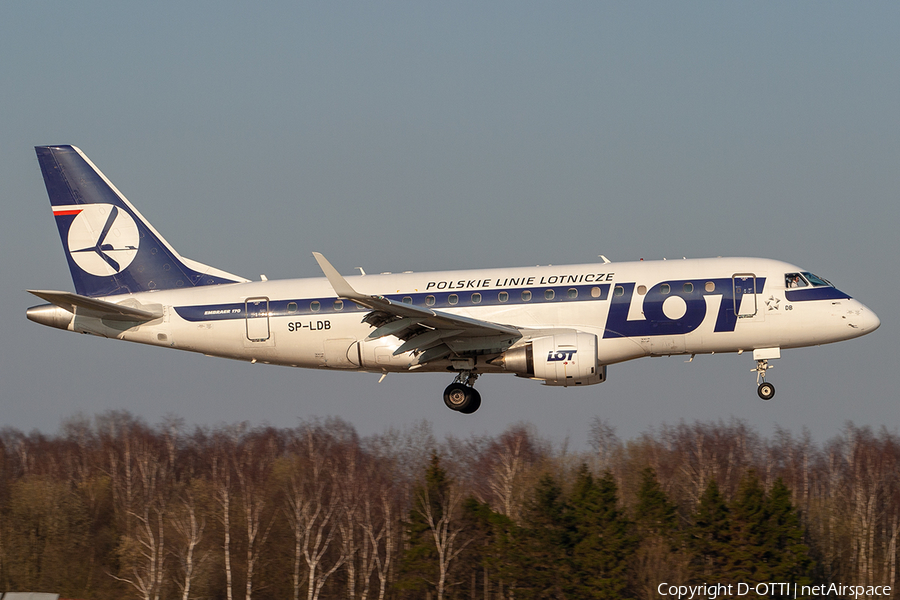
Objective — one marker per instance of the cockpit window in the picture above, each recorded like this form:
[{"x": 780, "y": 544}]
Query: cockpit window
[
  {"x": 805, "y": 279},
  {"x": 794, "y": 280},
  {"x": 817, "y": 281}
]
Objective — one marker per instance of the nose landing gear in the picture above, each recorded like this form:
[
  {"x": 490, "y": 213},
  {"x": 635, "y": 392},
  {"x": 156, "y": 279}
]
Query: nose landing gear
[
  {"x": 765, "y": 390},
  {"x": 762, "y": 356},
  {"x": 461, "y": 396}
]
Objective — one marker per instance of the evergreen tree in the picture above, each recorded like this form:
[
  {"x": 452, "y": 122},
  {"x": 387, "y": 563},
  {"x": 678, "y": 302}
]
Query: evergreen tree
[
  {"x": 789, "y": 556},
  {"x": 419, "y": 564},
  {"x": 478, "y": 522},
  {"x": 710, "y": 536},
  {"x": 538, "y": 554},
  {"x": 436, "y": 534},
  {"x": 660, "y": 555},
  {"x": 750, "y": 555},
  {"x": 654, "y": 513},
  {"x": 604, "y": 539},
  {"x": 767, "y": 536}
]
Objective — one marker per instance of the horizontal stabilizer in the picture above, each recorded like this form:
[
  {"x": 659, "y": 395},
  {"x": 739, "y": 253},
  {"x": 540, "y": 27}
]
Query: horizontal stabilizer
[{"x": 107, "y": 310}]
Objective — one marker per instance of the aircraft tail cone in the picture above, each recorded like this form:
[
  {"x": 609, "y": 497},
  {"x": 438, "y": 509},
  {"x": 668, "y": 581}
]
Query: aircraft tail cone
[{"x": 50, "y": 315}]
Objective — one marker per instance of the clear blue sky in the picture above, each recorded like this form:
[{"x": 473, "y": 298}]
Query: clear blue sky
[{"x": 421, "y": 136}]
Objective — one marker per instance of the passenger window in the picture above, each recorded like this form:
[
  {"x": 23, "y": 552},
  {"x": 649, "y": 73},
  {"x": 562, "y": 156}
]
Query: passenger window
[
  {"x": 503, "y": 296},
  {"x": 549, "y": 294},
  {"x": 476, "y": 298},
  {"x": 292, "y": 307},
  {"x": 407, "y": 300},
  {"x": 595, "y": 292},
  {"x": 453, "y": 299},
  {"x": 315, "y": 306},
  {"x": 526, "y": 295},
  {"x": 688, "y": 287},
  {"x": 338, "y": 305},
  {"x": 572, "y": 293},
  {"x": 665, "y": 289},
  {"x": 642, "y": 289},
  {"x": 710, "y": 286},
  {"x": 618, "y": 291},
  {"x": 429, "y": 300}
]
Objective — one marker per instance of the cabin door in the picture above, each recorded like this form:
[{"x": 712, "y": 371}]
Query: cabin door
[
  {"x": 745, "y": 297},
  {"x": 257, "y": 312}
]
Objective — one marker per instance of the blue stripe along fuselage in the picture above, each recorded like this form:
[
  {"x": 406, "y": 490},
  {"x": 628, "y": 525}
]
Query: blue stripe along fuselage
[
  {"x": 654, "y": 321},
  {"x": 441, "y": 300},
  {"x": 815, "y": 293}
]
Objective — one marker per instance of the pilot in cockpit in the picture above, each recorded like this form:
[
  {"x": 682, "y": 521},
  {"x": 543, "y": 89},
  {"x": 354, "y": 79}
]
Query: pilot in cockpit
[{"x": 793, "y": 280}]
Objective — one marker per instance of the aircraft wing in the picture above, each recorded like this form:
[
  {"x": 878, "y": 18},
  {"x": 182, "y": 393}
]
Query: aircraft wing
[
  {"x": 107, "y": 310},
  {"x": 429, "y": 334}
]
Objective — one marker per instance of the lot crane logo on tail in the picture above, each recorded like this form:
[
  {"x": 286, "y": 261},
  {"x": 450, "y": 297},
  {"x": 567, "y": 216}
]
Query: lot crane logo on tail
[{"x": 102, "y": 240}]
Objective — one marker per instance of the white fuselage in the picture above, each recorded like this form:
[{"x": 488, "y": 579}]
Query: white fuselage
[{"x": 635, "y": 309}]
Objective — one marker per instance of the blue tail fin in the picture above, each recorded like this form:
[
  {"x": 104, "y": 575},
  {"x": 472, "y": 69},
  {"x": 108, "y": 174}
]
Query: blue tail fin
[{"x": 110, "y": 247}]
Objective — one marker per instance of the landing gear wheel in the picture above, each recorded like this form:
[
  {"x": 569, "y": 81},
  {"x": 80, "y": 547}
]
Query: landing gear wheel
[
  {"x": 462, "y": 398},
  {"x": 457, "y": 396},
  {"x": 475, "y": 402},
  {"x": 765, "y": 390}
]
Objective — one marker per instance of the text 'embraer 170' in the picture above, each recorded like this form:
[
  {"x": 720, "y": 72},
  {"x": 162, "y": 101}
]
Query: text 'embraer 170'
[{"x": 559, "y": 325}]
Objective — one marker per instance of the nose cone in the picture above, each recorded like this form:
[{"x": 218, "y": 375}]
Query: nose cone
[
  {"x": 862, "y": 319},
  {"x": 871, "y": 322}
]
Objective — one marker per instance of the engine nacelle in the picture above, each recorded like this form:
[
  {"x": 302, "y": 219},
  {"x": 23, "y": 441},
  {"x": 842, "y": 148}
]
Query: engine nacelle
[{"x": 566, "y": 358}]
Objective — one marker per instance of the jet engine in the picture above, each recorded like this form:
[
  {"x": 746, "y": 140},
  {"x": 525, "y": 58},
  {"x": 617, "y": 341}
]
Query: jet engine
[{"x": 566, "y": 358}]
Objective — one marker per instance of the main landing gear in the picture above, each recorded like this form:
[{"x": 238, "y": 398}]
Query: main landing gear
[
  {"x": 765, "y": 390},
  {"x": 461, "y": 396}
]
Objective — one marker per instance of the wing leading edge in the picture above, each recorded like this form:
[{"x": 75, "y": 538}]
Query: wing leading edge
[{"x": 429, "y": 334}]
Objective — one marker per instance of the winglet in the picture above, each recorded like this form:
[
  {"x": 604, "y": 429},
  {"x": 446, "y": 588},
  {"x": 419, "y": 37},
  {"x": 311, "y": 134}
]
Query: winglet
[
  {"x": 345, "y": 290},
  {"x": 337, "y": 281}
]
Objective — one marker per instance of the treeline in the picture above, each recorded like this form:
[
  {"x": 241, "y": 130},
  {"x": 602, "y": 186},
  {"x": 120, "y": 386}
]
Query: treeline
[{"x": 115, "y": 508}]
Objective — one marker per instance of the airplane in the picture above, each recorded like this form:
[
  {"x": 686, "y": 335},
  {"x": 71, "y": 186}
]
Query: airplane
[{"x": 560, "y": 325}]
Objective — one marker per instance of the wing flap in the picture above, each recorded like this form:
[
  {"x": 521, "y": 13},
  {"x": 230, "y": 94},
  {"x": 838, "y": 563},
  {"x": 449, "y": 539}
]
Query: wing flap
[{"x": 393, "y": 328}]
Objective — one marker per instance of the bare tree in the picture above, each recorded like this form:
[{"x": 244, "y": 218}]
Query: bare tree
[
  {"x": 381, "y": 524},
  {"x": 604, "y": 442},
  {"x": 368, "y": 517},
  {"x": 221, "y": 467},
  {"x": 512, "y": 454},
  {"x": 142, "y": 549},
  {"x": 311, "y": 504},
  {"x": 189, "y": 524},
  {"x": 252, "y": 462},
  {"x": 349, "y": 488},
  {"x": 438, "y": 502}
]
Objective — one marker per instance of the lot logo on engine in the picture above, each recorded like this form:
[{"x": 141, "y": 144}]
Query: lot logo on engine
[{"x": 560, "y": 355}]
